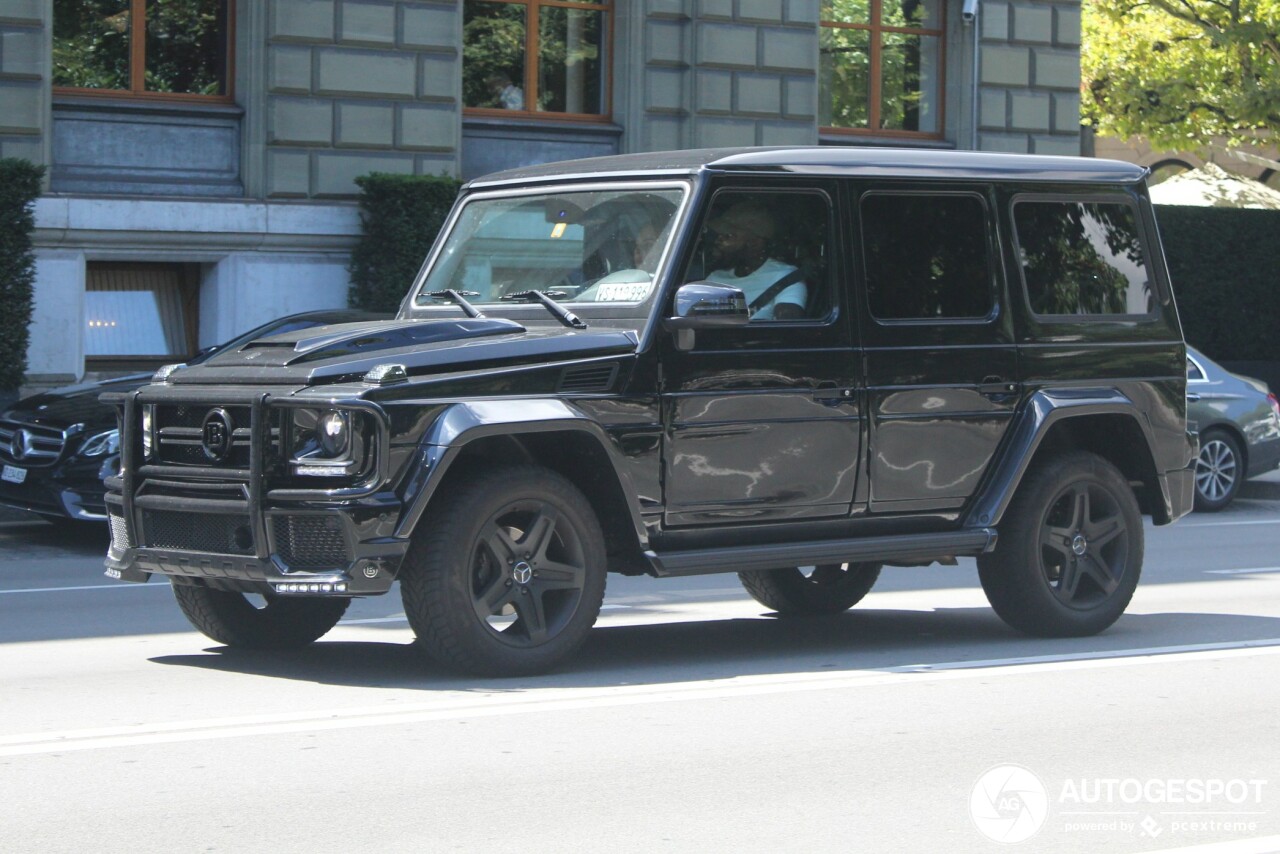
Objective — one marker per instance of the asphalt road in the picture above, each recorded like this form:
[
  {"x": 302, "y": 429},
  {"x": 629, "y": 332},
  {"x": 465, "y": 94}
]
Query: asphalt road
[{"x": 693, "y": 720}]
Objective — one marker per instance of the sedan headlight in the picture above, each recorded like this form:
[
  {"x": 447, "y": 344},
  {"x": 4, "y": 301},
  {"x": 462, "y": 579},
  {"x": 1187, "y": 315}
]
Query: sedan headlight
[
  {"x": 101, "y": 444},
  {"x": 326, "y": 443}
]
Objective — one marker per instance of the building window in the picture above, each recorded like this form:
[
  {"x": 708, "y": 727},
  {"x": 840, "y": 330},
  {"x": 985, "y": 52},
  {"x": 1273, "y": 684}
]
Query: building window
[
  {"x": 536, "y": 57},
  {"x": 880, "y": 66},
  {"x": 139, "y": 314},
  {"x": 143, "y": 48}
]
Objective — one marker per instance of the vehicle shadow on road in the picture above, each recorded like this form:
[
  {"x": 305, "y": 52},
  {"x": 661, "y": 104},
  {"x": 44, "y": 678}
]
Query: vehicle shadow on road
[
  {"x": 724, "y": 649},
  {"x": 60, "y": 538}
]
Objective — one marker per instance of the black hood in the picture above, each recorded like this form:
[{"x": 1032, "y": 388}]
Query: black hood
[
  {"x": 349, "y": 350},
  {"x": 62, "y": 407}
]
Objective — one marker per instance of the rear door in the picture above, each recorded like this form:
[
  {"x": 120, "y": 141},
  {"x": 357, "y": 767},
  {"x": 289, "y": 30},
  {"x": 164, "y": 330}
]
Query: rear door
[{"x": 942, "y": 369}]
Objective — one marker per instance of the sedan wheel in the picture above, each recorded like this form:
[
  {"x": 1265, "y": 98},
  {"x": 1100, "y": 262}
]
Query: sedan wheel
[{"x": 1219, "y": 471}]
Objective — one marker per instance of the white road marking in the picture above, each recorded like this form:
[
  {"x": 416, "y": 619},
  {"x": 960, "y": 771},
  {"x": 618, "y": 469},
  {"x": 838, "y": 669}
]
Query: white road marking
[
  {"x": 119, "y": 585},
  {"x": 1185, "y": 525},
  {"x": 478, "y": 704},
  {"x": 1243, "y": 571}
]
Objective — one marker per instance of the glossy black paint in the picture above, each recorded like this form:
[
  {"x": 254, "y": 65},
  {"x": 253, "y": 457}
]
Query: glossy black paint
[{"x": 847, "y": 437}]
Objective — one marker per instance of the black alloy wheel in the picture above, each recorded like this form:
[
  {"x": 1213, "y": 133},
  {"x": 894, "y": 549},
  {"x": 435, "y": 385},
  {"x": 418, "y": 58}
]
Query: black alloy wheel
[
  {"x": 828, "y": 588},
  {"x": 1070, "y": 549},
  {"x": 507, "y": 573}
]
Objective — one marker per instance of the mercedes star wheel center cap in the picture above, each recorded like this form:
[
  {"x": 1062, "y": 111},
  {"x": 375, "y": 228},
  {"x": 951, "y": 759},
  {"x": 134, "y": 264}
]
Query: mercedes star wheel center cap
[
  {"x": 1079, "y": 545},
  {"x": 522, "y": 573}
]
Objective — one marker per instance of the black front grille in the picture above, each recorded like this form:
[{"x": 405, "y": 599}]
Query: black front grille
[
  {"x": 220, "y": 533},
  {"x": 193, "y": 415},
  {"x": 310, "y": 541}
]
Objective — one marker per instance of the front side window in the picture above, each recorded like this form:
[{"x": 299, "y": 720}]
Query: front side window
[
  {"x": 1082, "y": 258},
  {"x": 582, "y": 246},
  {"x": 880, "y": 66},
  {"x": 537, "y": 57},
  {"x": 926, "y": 256},
  {"x": 773, "y": 246},
  {"x": 143, "y": 47}
]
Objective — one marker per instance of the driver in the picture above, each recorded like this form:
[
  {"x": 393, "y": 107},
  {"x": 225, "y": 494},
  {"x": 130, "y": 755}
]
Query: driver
[{"x": 739, "y": 252}]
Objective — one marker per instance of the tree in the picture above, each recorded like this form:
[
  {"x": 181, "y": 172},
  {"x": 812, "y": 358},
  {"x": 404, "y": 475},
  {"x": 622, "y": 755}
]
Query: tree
[{"x": 1182, "y": 73}]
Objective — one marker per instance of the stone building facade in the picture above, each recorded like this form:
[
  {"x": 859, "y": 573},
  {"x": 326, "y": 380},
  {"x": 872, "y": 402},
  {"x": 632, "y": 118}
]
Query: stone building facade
[{"x": 239, "y": 204}]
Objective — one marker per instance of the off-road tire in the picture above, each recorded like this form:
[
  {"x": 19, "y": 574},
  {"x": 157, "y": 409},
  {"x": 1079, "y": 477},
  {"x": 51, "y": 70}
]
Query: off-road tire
[
  {"x": 283, "y": 623},
  {"x": 829, "y": 589},
  {"x": 1070, "y": 549},
  {"x": 521, "y": 539},
  {"x": 1219, "y": 471}
]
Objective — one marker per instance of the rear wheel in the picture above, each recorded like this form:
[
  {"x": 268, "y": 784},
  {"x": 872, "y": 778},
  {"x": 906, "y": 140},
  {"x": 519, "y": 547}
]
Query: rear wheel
[
  {"x": 1069, "y": 552},
  {"x": 1219, "y": 471},
  {"x": 266, "y": 622},
  {"x": 507, "y": 575},
  {"x": 825, "y": 589}
]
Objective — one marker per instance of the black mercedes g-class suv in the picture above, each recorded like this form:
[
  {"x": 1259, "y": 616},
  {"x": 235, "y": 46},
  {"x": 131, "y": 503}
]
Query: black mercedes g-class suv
[{"x": 794, "y": 364}]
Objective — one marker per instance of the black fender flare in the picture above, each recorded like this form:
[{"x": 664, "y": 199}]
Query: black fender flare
[
  {"x": 463, "y": 423},
  {"x": 1042, "y": 410}
]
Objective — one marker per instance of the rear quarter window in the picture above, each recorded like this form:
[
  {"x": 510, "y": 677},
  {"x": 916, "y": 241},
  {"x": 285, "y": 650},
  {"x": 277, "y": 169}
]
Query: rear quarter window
[{"x": 1083, "y": 258}]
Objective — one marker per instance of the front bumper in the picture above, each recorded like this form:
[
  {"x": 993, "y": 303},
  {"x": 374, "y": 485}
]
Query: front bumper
[
  {"x": 356, "y": 558},
  {"x": 61, "y": 492},
  {"x": 224, "y": 525}
]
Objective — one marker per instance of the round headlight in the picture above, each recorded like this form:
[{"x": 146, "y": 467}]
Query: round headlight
[{"x": 334, "y": 433}]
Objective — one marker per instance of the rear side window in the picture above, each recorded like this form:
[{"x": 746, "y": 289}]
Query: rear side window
[
  {"x": 1082, "y": 258},
  {"x": 926, "y": 256}
]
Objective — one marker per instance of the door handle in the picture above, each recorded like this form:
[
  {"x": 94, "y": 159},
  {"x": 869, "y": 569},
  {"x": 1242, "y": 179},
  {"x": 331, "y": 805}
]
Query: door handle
[
  {"x": 1193, "y": 396},
  {"x": 833, "y": 394},
  {"x": 996, "y": 387}
]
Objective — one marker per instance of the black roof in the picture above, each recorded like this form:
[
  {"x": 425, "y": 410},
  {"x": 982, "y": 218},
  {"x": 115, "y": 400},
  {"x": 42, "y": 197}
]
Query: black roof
[{"x": 830, "y": 161}]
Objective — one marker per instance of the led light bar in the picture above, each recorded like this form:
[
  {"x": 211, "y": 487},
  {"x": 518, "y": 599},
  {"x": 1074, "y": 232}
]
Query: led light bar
[{"x": 308, "y": 587}]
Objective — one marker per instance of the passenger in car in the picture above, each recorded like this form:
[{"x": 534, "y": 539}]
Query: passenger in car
[{"x": 775, "y": 290}]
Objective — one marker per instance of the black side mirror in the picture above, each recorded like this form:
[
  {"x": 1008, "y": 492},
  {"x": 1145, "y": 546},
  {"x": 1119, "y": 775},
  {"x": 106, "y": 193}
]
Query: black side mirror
[{"x": 704, "y": 305}]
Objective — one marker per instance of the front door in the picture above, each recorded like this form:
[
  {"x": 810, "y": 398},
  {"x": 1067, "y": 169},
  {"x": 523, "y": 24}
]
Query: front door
[
  {"x": 942, "y": 370},
  {"x": 763, "y": 421}
]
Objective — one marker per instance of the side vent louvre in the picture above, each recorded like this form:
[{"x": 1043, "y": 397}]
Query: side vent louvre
[{"x": 588, "y": 378}]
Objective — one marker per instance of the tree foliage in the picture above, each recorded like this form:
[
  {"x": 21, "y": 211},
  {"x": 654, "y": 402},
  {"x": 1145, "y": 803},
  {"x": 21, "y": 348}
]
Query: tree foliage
[
  {"x": 400, "y": 216},
  {"x": 19, "y": 187},
  {"x": 1182, "y": 73}
]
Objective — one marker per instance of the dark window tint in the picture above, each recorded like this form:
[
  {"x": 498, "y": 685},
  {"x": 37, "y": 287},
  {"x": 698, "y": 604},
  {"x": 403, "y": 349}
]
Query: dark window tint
[
  {"x": 1082, "y": 258},
  {"x": 926, "y": 256}
]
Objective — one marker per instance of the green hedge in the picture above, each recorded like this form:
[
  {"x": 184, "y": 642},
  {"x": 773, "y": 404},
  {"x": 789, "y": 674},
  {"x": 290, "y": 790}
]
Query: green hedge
[
  {"x": 19, "y": 187},
  {"x": 1225, "y": 266},
  {"x": 400, "y": 216}
]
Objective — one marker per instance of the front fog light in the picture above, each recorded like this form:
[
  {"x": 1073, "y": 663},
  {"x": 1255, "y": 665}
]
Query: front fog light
[{"x": 334, "y": 433}]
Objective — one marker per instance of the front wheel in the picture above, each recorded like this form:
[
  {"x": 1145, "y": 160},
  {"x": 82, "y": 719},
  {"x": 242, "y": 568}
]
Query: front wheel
[
  {"x": 825, "y": 589},
  {"x": 507, "y": 575},
  {"x": 1070, "y": 550},
  {"x": 276, "y": 623}
]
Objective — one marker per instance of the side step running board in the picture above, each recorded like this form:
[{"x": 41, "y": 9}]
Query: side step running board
[{"x": 913, "y": 547}]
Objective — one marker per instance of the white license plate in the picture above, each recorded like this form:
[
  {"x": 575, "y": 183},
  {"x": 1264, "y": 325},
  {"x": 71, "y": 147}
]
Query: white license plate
[{"x": 13, "y": 474}]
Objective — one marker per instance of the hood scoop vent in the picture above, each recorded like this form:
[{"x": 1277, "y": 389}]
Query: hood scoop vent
[{"x": 588, "y": 378}]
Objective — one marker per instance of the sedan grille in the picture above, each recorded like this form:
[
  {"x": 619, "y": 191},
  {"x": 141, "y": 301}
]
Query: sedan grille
[{"x": 28, "y": 444}]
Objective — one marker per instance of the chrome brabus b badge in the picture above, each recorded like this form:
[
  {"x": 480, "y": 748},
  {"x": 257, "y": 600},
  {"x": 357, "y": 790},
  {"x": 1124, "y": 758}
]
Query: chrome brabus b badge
[{"x": 215, "y": 435}]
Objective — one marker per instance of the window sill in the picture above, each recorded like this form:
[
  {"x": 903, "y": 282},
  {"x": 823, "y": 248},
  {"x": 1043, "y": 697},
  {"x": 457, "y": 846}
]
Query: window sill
[
  {"x": 529, "y": 124},
  {"x": 123, "y": 104}
]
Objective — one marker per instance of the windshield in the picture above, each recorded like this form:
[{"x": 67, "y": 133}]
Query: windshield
[{"x": 580, "y": 246}]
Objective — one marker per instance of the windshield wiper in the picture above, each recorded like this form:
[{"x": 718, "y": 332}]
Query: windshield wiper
[
  {"x": 547, "y": 298},
  {"x": 458, "y": 298}
]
